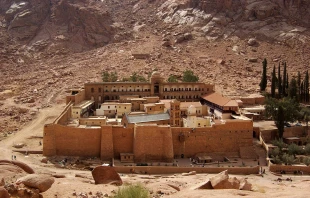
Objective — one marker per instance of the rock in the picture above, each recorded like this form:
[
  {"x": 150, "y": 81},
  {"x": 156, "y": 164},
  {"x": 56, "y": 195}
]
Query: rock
[
  {"x": 253, "y": 60},
  {"x": 2, "y": 182},
  {"x": 41, "y": 182},
  {"x": 245, "y": 185},
  {"x": 166, "y": 44},
  {"x": 252, "y": 42},
  {"x": 106, "y": 175},
  {"x": 44, "y": 160},
  {"x": 217, "y": 180},
  {"x": 174, "y": 187},
  {"x": 204, "y": 185},
  {"x": 4, "y": 193},
  {"x": 220, "y": 61},
  {"x": 59, "y": 176},
  {"x": 189, "y": 173}
]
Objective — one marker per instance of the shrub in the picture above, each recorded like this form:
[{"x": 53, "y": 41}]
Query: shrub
[
  {"x": 288, "y": 159},
  {"x": 275, "y": 152},
  {"x": 279, "y": 143},
  {"x": 307, "y": 149},
  {"x": 132, "y": 191},
  {"x": 294, "y": 149},
  {"x": 306, "y": 161}
]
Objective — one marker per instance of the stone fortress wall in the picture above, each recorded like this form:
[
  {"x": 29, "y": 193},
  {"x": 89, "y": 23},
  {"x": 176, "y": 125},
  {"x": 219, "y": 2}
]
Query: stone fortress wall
[{"x": 147, "y": 142}]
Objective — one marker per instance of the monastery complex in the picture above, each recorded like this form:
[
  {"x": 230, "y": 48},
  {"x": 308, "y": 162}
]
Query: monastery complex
[{"x": 150, "y": 121}]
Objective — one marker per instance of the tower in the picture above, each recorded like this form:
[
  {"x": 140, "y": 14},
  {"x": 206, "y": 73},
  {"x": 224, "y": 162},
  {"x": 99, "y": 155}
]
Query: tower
[{"x": 175, "y": 113}]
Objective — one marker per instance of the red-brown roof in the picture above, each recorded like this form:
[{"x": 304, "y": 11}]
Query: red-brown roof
[{"x": 216, "y": 98}]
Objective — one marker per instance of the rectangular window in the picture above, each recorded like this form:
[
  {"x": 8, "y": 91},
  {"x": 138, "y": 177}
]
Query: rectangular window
[{"x": 99, "y": 90}]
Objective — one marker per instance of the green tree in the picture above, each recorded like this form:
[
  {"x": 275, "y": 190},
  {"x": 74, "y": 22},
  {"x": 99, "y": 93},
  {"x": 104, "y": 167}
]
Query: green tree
[
  {"x": 273, "y": 82},
  {"x": 281, "y": 111},
  {"x": 284, "y": 81},
  {"x": 263, "y": 82},
  {"x": 172, "y": 78},
  {"x": 113, "y": 77},
  {"x": 298, "y": 87},
  {"x": 280, "y": 121},
  {"x": 109, "y": 77},
  {"x": 279, "y": 82},
  {"x": 292, "y": 91},
  {"x": 306, "y": 85},
  {"x": 135, "y": 77},
  {"x": 189, "y": 76}
]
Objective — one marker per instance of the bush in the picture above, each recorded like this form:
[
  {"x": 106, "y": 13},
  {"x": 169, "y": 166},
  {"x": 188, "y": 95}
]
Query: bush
[
  {"x": 279, "y": 143},
  {"x": 306, "y": 161},
  {"x": 275, "y": 152},
  {"x": 307, "y": 149},
  {"x": 132, "y": 191},
  {"x": 288, "y": 159},
  {"x": 277, "y": 160},
  {"x": 294, "y": 149}
]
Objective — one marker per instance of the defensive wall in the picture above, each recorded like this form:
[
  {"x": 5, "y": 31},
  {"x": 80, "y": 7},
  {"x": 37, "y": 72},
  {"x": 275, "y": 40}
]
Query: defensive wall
[
  {"x": 289, "y": 169},
  {"x": 147, "y": 142},
  {"x": 174, "y": 170}
]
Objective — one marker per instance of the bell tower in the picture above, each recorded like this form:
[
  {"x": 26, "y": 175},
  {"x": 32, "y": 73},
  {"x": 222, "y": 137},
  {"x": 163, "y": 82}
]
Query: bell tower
[{"x": 175, "y": 113}]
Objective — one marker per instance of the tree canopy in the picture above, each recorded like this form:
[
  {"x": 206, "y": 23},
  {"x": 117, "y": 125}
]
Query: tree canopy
[
  {"x": 189, "y": 76},
  {"x": 281, "y": 111},
  {"x": 109, "y": 77}
]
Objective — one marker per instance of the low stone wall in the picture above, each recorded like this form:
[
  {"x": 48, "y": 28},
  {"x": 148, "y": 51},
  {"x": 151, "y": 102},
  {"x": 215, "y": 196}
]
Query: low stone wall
[
  {"x": 173, "y": 170},
  {"x": 289, "y": 169}
]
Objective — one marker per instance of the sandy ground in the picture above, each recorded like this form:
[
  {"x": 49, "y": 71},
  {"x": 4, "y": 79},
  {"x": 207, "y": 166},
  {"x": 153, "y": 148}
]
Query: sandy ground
[{"x": 71, "y": 186}]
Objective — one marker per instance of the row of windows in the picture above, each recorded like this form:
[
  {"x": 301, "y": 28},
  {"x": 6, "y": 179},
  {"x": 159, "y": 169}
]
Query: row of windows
[
  {"x": 181, "y": 97},
  {"x": 185, "y": 89},
  {"x": 138, "y": 90}
]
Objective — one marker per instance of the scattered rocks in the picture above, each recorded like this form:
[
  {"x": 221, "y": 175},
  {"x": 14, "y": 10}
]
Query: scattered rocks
[
  {"x": 222, "y": 181},
  {"x": 106, "y": 175}
]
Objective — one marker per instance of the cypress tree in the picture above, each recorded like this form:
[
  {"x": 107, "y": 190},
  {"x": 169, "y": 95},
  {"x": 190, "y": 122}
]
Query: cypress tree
[
  {"x": 284, "y": 80},
  {"x": 292, "y": 91},
  {"x": 298, "y": 87},
  {"x": 307, "y": 87},
  {"x": 279, "y": 82},
  {"x": 263, "y": 82},
  {"x": 280, "y": 121},
  {"x": 273, "y": 82},
  {"x": 287, "y": 80},
  {"x": 302, "y": 94}
]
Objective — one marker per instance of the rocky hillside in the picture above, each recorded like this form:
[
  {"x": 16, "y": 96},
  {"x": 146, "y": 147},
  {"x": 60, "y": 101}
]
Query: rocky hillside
[{"x": 51, "y": 46}]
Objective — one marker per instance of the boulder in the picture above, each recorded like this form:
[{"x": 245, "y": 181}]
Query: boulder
[
  {"x": 20, "y": 164},
  {"x": 41, "y": 182},
  {"x": 219, "y": 179},
  {"x": 106, "y": 175},
  {"x": 245, "y": 185},
  {"x": 204, "y": 185},
  {"x": 252, "y": 42},
  {"x": 4, "y": 193}
]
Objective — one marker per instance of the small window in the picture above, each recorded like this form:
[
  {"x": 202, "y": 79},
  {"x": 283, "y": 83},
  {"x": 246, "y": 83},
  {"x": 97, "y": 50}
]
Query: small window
[
  {"x": 108, "y": 107},
  {"x": 125, "y": 107},
  {"x": 92, "y": 90},
  {"x": 99, "y": 90}
]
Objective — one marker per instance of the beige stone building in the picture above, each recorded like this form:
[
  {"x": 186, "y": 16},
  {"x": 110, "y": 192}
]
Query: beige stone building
[{"x": 104, "y": 92}]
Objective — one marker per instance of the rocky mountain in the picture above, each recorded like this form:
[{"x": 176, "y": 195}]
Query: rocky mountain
[{"x": 51, "y": 46}]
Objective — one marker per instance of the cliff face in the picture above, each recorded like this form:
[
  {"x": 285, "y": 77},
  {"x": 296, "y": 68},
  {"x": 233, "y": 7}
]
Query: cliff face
[{"x": 80, "y": 24}]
